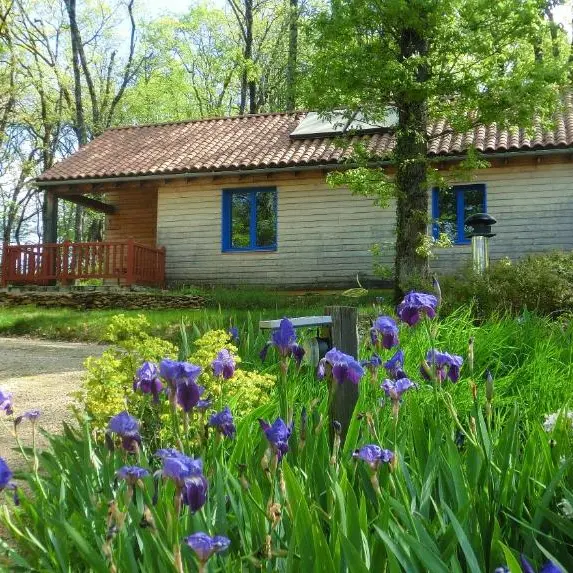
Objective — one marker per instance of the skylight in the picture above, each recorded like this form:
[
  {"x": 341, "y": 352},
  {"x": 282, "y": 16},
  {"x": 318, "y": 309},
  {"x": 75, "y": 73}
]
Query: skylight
[{"x": 313, "y": 125}]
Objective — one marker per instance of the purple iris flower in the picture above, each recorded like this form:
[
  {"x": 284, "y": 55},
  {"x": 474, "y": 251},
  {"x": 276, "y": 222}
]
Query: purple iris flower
[
  {"x": 395, "y": 388},
  {"x": 549, "y": 567},
  {"x": 373, "y": 455},
  {"x": 223, "y": 422},
  {"x": 182, "y": 379},
  {"x": 6, "y": 480},
  {"x": 284, "y": 340},
  {"x": 373, "y": 362},
  {"x": 415, "y": 305},
  {"x": 344, "y": 368},
  {"x": 147, "y": 380},
  {"x": 277, "y": 435},
  {"x": 127, "y": 427},
  {"x": 234, "y": 334},
  {"x": 204, "y": 405},
  {"x": 5, "y": 474},
  {"x": 194, "y": 491},
  {"x": 6, "y": 402},
  {"x": 447, "y": 365},
  {"x": 131, "y": 473},
  {"x": 175, "y": 372},
  {"x": 384, "y": 332},
  {"x": 187, "y": 473},
  {"x": 394, "y": 366},
  {"x": 31, "y": 415},
  {"x": 188, "y": 393},
  {"x": 204, "y": 545},
  {"x": 178, "y": 467},
  {"x": 224, "y": 364}
]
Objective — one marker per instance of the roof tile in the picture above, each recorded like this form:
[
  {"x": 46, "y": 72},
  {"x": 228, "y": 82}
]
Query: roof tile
[{"x": 262, "y": 141}]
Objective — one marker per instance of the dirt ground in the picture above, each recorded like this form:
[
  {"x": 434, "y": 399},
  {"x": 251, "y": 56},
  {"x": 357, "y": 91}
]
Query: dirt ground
[{"x": 40, "y": 374}]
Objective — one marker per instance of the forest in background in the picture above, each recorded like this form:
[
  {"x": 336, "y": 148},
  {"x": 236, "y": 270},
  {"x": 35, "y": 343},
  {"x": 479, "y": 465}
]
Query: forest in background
[{"x": 69, "y": 70}]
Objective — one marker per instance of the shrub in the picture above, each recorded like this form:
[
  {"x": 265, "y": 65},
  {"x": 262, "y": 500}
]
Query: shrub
[
  {"x": 541, "y": 283},
  {"x": 245, "y": 390},
  {"x": 108, "y": 383}
]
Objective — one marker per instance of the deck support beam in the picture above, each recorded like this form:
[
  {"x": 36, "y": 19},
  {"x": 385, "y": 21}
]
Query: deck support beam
[
  {"x": 50, "y": 217},
  {"x": 90, "y": 203}
]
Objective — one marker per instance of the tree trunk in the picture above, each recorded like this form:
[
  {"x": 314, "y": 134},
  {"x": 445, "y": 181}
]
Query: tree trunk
[
  {"x": 80, "y": 127},
  {"x": 248, "y": 83},
  {"x": 410, "y": 156},
  {"x": 292, "y": 56}
]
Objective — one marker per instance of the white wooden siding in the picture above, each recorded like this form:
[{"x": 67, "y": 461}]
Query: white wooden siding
[
  {"x": 533, "y": 205},
  {"x": 324, "y": 234}
]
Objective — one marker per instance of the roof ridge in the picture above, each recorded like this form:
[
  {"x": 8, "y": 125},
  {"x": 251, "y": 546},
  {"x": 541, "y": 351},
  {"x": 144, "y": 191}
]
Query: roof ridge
[{"x": 206, "y": 119}]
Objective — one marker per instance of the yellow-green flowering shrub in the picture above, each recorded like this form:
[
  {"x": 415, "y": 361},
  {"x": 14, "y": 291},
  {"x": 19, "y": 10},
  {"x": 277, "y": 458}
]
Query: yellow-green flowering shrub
[
  {"x": 205, "y": 350},
  {"x": 246, "y": 390},
  {"x": 108, "y": 384}
]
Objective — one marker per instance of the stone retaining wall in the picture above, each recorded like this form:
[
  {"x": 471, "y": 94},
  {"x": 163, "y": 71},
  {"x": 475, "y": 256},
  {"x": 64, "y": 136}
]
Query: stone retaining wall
[{"x": 124, "y": 300}]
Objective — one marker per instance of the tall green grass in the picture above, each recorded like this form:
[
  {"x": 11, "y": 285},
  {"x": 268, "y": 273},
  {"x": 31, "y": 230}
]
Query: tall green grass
[{"x": 469, "y": 491}]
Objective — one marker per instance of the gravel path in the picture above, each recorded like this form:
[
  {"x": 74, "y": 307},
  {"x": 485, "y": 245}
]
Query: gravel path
[{"x": 40, "y": 374}]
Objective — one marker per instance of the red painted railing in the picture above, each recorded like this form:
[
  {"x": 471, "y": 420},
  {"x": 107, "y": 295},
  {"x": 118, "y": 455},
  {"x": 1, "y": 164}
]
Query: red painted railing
[{"x": 127, "y": 262}]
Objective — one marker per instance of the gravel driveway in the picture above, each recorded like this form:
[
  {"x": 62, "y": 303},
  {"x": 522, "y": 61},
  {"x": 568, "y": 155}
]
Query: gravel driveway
[{"x": 40, "y": 374}]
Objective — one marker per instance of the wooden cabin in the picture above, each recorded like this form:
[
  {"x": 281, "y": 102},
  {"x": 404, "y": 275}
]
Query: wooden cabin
[{"x": 244, "y": 200}]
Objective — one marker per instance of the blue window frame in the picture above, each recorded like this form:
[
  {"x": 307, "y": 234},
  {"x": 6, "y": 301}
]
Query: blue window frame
[
  {"x": 452, "y": 206},
  {"x": 249, "y": 219}
]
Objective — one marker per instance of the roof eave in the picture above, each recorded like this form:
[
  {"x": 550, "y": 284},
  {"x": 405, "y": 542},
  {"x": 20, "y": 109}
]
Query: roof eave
[{"x": 291, "y": 168}]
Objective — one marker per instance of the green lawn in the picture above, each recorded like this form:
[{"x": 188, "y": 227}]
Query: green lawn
[{"x": 224, "y": 307}]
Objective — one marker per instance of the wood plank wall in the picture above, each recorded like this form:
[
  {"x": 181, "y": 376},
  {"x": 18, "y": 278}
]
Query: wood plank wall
[
  {"x": 533, "y": 204},
  {"x": 135, "y": 217},
  {"x": 324, "y": 234}
]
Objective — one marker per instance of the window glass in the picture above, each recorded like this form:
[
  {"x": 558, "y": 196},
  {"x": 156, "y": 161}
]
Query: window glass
[
  {"x": 249, "y": 219},
  {"x": 447, "y": 219},
  {"x": 240, "y": 220},
  {"x": 266, "y": 219},
  {"x": 452, "y": 206},
  {"x": 473, "y": 203}
]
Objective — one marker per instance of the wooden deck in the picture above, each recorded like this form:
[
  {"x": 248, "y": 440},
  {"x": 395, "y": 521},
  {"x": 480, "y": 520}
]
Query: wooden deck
[{"x": 127, "y": 262}]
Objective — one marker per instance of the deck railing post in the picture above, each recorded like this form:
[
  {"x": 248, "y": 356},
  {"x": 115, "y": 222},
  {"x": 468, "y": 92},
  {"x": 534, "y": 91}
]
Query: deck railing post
[
  {"x": 129, "y": 277},
  {"x": 64, "y": 273},
  {"x": 4, "y": 269}
]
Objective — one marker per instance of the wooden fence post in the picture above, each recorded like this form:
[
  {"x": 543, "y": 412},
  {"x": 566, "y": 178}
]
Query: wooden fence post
[
  {"x": 344, "y": 337},
  {"x": 130, "y": 262},
  {"x": 64, "y": 263},
  {"x": 4, "y": 268}
]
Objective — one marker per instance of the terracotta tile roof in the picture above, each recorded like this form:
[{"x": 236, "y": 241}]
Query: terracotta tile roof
[{"x": 262, "y": 141}]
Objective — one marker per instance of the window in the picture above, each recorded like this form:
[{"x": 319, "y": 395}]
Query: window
[
  {"x": 452, "y": 206},
  {"x": 250, "y": 219}
]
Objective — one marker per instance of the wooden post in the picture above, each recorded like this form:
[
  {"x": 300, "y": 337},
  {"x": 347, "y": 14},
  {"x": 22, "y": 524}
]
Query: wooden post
[
  {"x": 50, "y": 220},
  {"x": 65, "y": 263},
  {"x": 344, "y": 336},
  {"x": 130, "y": 262},
  {"x": 50, "y": 217},
  {"x": 5, "y": 263}
]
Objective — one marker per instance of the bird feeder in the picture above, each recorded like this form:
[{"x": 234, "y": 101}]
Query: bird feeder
[{"x": 481, "y": 224}]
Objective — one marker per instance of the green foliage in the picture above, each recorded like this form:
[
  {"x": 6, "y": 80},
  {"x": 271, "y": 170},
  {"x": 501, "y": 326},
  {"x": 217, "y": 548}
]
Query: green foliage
[
  {"x": 458, "y": 63},
  {"x": 245, "y": 391},
  {"x": 108, "y": 383},
  {"x": 541, "y": 283},
  {"x": 469, "y": 490}
]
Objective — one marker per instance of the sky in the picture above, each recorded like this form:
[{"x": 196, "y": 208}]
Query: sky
[{"x": 159, "y": 7}]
